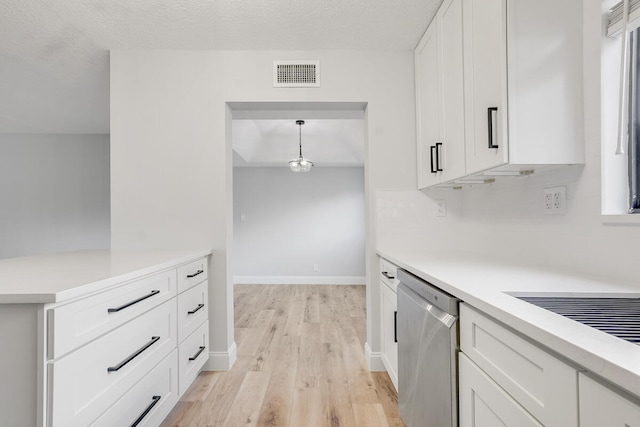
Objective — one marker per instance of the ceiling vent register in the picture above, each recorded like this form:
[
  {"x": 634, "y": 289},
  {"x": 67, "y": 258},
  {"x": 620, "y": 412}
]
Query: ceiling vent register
[{"x": 296, "y": 73}]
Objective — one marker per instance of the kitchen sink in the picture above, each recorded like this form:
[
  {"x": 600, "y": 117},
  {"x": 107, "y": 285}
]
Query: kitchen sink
[{"x": 619, "y": 317}]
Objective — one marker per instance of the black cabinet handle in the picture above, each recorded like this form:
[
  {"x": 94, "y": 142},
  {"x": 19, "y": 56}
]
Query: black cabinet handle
[
  {"x": 490, "y": 112},
  {"x": 195, "y": 356},
  {"x": 133, "y": 356},
  {"x": 129, "y": 304},
  {"x": 387, "y": 275},
  {"x": 195, "y": 309},
  {"x": 154, "y": 401},
  {"x": 395, "y": 326},
  {"x": 189, "y": 276},
  {"x": 433, "y": 148},
  {"x": 438, "y": 145}
]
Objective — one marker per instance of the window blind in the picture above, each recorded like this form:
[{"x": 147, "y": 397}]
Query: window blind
[{"x": 614, "y": 25}]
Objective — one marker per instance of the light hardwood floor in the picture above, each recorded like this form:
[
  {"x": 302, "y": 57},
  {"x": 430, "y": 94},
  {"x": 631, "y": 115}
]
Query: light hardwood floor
[{"x": 300, "y": 364}]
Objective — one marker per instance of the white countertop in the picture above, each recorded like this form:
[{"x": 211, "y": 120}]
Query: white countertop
[
  {"x": 486, "y": 284},
  {"x": 59, "y": 277}
]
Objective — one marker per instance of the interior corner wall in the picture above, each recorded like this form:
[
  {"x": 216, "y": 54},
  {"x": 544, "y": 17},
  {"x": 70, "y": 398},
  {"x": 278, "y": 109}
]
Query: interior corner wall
[
  {"x": 171, "y": 159},
  {"x": 285, "y": 223},
  {"x": 54, "y": 193}
]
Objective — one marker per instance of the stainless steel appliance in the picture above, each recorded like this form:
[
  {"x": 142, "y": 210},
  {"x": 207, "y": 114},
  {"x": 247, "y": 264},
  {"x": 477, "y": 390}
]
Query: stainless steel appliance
[{"x": 427, "y": 354}]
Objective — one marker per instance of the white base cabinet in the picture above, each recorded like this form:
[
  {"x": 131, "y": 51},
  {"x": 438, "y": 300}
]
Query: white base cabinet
[
  {"x": 117, "y": 346},
  {"x": 601, "y": 406},
  {"x": 388, "y": 314},
  {"x": 483, "y": 403},
  {"x": 543, "y": 387}
]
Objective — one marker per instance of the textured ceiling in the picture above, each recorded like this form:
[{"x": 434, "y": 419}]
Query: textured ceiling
[
  {"x": 275, "y": 142},
  {"x": 54, "y": 70}
]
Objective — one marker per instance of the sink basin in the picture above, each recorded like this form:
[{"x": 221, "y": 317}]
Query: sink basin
[{"x": 619, "y": 317}]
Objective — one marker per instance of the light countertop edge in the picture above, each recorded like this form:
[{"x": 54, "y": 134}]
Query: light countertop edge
[
  {"x": 488, "y": 286},
  {"x": 78, "y": 285}
]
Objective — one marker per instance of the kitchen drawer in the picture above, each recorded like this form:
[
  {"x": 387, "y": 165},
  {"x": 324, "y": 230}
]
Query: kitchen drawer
[
  {"x": 483, "y": 403},
  {"x": 191, "y": 274},
  {"x": 193, "y": 354},
  {"x": 389, "y": 274},
  {"x": 157, "y": 390},
  {"x": 542, "y": 384},
  {"x": 81, "y": 386},
  {"x": 77, "y": 323},
  {"x": 192, "y": 310}
]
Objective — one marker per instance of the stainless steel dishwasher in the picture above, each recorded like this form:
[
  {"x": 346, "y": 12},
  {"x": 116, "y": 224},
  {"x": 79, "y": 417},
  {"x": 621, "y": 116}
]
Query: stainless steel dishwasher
[{"x": 427, "y": 353}]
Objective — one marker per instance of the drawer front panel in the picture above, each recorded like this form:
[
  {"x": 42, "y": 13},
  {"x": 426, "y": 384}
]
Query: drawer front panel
[
  {"x": 193, "y": 354},
  {"x": 484, "y": 404},
  {"x": 155, "y": 394},
  {"x": 86, "y": 382},
  {"x": 542, "y": 384},
  {"x": 191, "y": 274},
  {"x": 79, "y": 322},
  {"x": 389, "y": 274},
  {"x": 193, "y": 310}
]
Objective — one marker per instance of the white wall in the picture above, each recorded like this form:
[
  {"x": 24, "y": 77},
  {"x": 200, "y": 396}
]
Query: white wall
[
  {"x": 54, "y": 193},
  {"x": 171, "y": 169},
  {"x": 296, "y": 220},
  {"x": 506, "y": 219}
]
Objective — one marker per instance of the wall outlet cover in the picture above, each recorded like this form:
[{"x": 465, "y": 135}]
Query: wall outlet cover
[
  {"x": 441, "y": 208},
  {"x": 555, "y": 201}
]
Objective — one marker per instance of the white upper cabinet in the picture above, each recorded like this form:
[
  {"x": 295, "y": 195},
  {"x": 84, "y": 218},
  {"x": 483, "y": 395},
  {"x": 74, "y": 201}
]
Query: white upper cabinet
[
  {"x": 485, "y": 84},
  {"x": 505, "y": 77},
  {"x": 440, "y": 98},
  {"x": 428, "y": 102}
]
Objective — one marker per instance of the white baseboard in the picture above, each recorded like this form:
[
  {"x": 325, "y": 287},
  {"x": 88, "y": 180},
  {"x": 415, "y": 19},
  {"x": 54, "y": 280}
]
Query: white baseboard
[
  {"x": 299, "y": 280},
  {"x": 374, "y": 359},
  {"x": 221, "y": 360}
]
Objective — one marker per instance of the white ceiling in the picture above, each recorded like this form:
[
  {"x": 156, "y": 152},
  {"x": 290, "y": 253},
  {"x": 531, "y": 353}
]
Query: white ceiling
[
  {"x": 273, "y": 143},
  {"x": 54, "y": 66}
]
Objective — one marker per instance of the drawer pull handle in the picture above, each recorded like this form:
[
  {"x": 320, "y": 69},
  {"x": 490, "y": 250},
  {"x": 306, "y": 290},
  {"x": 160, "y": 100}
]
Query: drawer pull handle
[
  {"x": 189, "y": 276},
  {"x": 387, "y": 275},
  {"x": 129, "y": 304},
  {"x": 133, "y": 356},
  {"x": 395, "y": 326},
  {"x": 490, "y": 115},
  {"x": 196, "y": 309},
  {"x": 195, "y": 356},
  {"x": 154, "y": 400}
]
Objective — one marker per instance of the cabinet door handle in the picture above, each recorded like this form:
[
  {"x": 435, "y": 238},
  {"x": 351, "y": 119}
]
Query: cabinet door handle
[
  {"x": 195, "y": 356},
  {"x": 395, "y": 326},
  {"x": 129, "y": 304},
  {"x": 438, "y": 145},
  {"x": 137, "y": 353},
  {"x": 490, "y": 112},
  {"x": 432, "y": 149},
  {"x": 154, "y": 401},
  {"x": 387, "y": 275},
  {"x": 195, "y": 309},
  {"x": 189, "y": 276}
]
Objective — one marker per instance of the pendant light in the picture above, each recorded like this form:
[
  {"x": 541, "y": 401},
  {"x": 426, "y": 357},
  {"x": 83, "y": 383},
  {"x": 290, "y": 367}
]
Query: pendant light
[{"x": 300, "y": 164}]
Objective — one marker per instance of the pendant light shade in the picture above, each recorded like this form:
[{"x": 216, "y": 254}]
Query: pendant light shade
[{"x": 300, "y": 164}]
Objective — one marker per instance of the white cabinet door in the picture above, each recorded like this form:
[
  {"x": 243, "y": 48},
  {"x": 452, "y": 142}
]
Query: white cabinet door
[
  {"x": 389, "y": 310},
  {"x": 484, "y": 404},
  {"x": 428, "y": 102},
  {"x": 600, "y": 406},
  {"x": 452, "y": 152},
  {"x": 485, "y": 84}
]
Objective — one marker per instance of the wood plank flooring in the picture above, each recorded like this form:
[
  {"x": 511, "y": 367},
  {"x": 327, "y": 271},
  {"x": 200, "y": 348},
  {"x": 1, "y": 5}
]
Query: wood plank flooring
[{"x": 300, "y": 364}]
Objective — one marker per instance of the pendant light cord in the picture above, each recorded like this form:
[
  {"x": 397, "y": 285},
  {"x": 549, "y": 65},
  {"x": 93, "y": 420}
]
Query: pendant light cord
[{"x": 300, "y": 129}]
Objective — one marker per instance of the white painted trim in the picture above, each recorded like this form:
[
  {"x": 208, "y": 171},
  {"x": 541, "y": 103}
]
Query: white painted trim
[
  {"x": 374, "y": 359},
  {"x": 221, "y": 360},
  {"x": 299, "y": 280}
]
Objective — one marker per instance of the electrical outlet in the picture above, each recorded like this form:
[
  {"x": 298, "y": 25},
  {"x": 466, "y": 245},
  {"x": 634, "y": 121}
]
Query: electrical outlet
[
  {"x": 555, "y": 201},
  {"x": 441, "y": 208},
  {"x": 243, "y": 217},
  {"x": 315, "y": 267}
]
